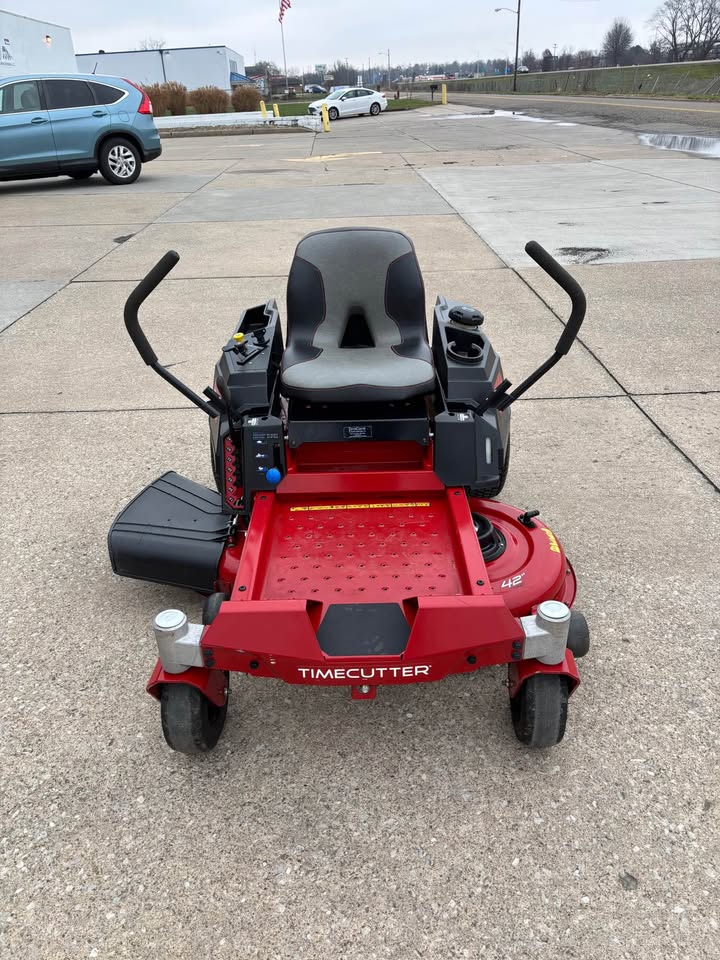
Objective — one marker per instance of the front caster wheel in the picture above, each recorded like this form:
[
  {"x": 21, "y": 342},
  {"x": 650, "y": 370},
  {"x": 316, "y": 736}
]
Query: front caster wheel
[
  {"x": 190, "y": 722},
  {"x": 578, "y": 635},
  {"x": 539, "y": 710}
]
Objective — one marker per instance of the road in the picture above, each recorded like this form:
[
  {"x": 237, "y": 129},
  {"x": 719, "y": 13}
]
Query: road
[{"x": 651, "y": 116}]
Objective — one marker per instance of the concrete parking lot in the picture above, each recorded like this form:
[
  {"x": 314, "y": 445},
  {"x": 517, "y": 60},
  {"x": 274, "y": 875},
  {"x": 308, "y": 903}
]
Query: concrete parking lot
[{"x": 414, "y": 825}]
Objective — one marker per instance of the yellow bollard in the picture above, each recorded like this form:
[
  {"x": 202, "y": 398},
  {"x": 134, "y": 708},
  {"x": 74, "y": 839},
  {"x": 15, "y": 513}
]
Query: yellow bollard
[
  {"x": 263, "y": 110},
  {"x": 325, "y": 118},
  {"x": 443, "y": 90},
  {"x": 276, "y": 110}
]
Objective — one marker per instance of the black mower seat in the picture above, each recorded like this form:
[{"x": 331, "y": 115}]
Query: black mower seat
[{"x": 356, "y": 319}]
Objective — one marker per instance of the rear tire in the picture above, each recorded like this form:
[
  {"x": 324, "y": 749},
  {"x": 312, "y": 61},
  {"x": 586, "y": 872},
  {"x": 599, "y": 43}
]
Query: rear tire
[
  {"x": 375, "y": 109},
  {"x": 190, "y": 722},
  {"x": 539, "y": 710},
  {"x": 119, "y": 161},
  {"x": 333, "y": 113}
]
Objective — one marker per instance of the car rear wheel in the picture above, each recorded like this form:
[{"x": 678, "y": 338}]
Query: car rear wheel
[
  {"x": 375, "y": 109},
  {"x": 120, "y": 161},
  {"x": 333, "y": 113}
]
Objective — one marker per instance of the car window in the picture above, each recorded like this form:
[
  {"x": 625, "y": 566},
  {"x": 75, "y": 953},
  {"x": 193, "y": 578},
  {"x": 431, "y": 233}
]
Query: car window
[
  {"x": 336, "y": 95},
  {"x": 63, "y": 94},
  {"x": 20, "y": 97},
  {"x": 351, "y": 94},
  {"x": 106, "y": 94}
]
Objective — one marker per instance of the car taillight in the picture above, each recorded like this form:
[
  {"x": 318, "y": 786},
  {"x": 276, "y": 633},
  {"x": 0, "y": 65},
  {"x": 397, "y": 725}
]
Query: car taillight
[{"x": 145, "y": 103}]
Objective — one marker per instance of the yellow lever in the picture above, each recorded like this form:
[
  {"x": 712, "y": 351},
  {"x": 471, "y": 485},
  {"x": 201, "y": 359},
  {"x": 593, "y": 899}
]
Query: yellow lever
[{"x": 238, "y": 337}]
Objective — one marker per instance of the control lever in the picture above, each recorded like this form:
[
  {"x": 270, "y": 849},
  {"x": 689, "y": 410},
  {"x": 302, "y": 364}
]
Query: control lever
[
  {"x": 132, "y": 321},
  {"x": 579, "y": 305}
]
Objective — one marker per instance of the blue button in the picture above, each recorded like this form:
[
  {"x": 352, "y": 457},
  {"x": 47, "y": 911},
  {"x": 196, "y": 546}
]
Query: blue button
[{"x": 273, "y": 475}]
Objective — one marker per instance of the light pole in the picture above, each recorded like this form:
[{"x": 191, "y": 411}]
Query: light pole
[
  {"x": 517, "y": 39},
  {"x": 382, "y": 53}
]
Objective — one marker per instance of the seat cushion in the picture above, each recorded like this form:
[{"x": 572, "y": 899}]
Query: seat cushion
[
  {"x": 337, "y": 375},
  {"x": 356, "y": 319}
]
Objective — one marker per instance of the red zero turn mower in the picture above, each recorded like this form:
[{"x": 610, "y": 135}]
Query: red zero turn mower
[{"x": 353, "y": 540}]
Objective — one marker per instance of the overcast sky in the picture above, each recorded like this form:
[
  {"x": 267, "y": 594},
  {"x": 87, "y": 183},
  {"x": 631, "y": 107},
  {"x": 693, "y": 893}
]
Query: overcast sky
[{"x": 319, "y": 31}]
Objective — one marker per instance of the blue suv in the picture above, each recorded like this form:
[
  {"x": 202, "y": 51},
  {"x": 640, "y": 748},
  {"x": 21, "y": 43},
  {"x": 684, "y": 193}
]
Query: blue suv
[{"x": 74, "y": 125}]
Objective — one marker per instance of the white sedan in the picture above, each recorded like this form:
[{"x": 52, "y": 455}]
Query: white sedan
[{"x": 351, "y": 102}]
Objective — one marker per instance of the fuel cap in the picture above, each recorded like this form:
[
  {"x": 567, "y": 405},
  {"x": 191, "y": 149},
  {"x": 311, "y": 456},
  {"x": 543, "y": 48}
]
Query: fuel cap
[{"x": 467, "y": 316}]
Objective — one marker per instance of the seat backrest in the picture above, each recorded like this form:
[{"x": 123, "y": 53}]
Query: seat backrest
[
  {"x": 355, "y": 287},
  {"x": 30, "y": 100}
]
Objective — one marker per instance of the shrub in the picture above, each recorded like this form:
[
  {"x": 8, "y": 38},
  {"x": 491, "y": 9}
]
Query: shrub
[
  {"x": 167, "y": 98},
  {"x": 209, "y": 100},
  {"x": 246, "y": 98}
]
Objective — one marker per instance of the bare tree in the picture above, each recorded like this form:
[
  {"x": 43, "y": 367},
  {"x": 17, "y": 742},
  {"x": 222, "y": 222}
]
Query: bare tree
[
  {"x": 687, "y": 29},
  {"x": 638, "y": 55},
  {"x": 617, "y": 42},
  {"x": 657, "y": 52},
  {"x": 565, "y": 59},
  {"x": 150, "y": 43},
  {"x": 265, "y": 68},
  {"x": 585, "y": 59},
  {"x": 531, "y": 61}
]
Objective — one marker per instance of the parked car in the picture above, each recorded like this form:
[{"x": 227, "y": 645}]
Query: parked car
[
  {"x": 353, "y": 101},
  {"x": 74, "y": 125},
  {"x": 523, "y": 69},
  {"x": 314, "y": 88}
]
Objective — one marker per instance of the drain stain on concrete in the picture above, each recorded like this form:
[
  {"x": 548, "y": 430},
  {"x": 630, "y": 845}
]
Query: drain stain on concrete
[{"x": 580, "y": 255}]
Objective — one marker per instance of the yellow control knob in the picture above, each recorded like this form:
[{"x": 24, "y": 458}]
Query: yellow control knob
[{"x": 238, "y": 337}]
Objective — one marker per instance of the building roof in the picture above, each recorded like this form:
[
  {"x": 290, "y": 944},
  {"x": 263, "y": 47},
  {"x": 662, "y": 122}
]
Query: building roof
[
  {"x": 46, "y": 23},
  {"x": 110, "y": 53}
]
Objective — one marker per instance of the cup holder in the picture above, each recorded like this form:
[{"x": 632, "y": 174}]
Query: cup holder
[{"x": 470, "y": 353}]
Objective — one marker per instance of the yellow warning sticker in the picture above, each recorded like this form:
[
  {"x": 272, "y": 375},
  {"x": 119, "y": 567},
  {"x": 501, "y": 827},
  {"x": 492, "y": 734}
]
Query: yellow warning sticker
[{"x": 357, "y": 506}]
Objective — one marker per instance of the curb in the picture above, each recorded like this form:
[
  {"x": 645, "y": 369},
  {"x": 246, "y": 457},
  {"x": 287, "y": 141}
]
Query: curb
[{"x": 245, "y": 131}]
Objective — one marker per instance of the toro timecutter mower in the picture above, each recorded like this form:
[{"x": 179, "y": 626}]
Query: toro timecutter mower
[{"x": 352, "y": 540}]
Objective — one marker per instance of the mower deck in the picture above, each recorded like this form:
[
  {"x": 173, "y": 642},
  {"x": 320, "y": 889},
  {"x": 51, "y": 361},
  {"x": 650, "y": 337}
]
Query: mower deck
[{"x": 355, "y": 588}]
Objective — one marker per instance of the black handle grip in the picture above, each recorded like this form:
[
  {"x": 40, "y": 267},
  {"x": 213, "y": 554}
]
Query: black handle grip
[
  {"x": 571, "y": 287},
  {"x": 136, "y": 299}
]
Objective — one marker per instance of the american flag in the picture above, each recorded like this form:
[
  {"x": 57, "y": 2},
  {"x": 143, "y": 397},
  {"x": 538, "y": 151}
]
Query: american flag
[{"x": 284, "y": 5}]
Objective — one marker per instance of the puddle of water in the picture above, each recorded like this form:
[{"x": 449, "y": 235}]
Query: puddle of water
[
  {"x": 704, "y": 146},
  {"x": 508, "y": 114}
]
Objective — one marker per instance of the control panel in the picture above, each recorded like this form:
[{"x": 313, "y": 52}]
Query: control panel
[{"x": 263, "y": 453}]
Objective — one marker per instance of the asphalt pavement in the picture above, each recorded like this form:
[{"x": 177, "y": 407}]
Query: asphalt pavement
[
  {"x": 414, "y": 825},
  {"x": 623, "y": 113}
]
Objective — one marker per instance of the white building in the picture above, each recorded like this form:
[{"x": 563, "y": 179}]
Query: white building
[
  {"x": 193, "y": 66},
  {"x": 34, "y": 46}
]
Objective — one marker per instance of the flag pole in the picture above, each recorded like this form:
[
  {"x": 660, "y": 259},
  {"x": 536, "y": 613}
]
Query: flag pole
[{"x": 287, "y": 83}]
